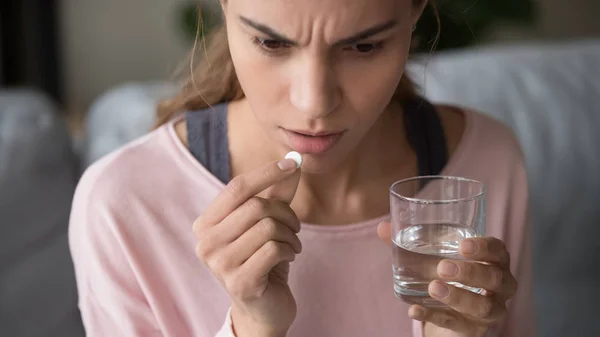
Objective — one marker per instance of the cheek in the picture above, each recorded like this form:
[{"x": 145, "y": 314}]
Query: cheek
[{"x": 370, "y": 85}]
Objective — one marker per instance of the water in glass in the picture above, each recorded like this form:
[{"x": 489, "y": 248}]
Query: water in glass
[{"x": 417, "y": 250}]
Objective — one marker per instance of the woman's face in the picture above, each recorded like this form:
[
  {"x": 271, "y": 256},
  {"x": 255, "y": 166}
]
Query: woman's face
[{"x": 318, "y": 73}]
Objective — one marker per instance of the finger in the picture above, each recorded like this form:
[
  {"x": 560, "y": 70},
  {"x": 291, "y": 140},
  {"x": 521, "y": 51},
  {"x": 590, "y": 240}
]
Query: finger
[
  {"x": 251, "y": 212},
  {"x": 244, "y": 187},
  {"x": 285, "y": 190},
  {"x": 483, "y": 308},
  {"x": 264, "y": 231},
  {"x": 444, "y": 318},
  {"x": 489, "y": 277},
  {"x": 487, "y": 250},
  {"x": 266, "y": 258},
  {"x": 384, "y": 231}
]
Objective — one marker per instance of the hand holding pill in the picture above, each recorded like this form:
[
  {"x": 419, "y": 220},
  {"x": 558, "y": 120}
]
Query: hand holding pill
[{"x": 248, "y": 242}]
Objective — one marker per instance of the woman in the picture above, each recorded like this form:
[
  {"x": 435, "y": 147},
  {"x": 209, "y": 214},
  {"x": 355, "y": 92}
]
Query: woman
[{"x": 192, "y": 229}]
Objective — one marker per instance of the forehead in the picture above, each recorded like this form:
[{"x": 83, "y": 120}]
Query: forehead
[{"x": 330, "y": 16}]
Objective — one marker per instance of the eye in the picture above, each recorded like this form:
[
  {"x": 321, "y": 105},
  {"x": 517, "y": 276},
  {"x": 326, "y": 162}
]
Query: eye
[
  {"x": 365, "y": 48},
  {"x": 269, "y": 45}
]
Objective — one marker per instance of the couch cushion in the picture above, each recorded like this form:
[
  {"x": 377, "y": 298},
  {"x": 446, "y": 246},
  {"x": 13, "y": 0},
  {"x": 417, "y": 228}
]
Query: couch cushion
[
  {"x": 120, "y": 115},
  {"x": 38, "y": 296}
]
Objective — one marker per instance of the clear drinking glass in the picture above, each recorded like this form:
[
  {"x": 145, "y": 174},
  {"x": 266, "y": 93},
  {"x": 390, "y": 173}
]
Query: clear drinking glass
[{"x": 430, "y": 216}]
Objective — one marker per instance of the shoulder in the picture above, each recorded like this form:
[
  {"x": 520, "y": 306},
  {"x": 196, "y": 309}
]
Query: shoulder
[
  {"x": 119, "y": 199},
  {"x": 128, "y": 171},
  {"x": 136, "y": 180},
  {"x": 109, "y": 234},
  {"x": 479, "y": 132},
  {"x": 127, "y": 160},
  {"x": 488, "y": 151},
  {"x": 104, "y": 195}
]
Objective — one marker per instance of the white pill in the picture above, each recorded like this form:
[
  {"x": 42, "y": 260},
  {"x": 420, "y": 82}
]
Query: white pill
[{"x": 295, "y": 156}]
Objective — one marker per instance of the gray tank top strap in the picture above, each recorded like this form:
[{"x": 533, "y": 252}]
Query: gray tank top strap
[
  {"x": 207, "y": 139},
  {"x": 426, "y": 135}
]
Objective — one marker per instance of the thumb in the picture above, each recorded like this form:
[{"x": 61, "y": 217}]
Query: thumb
[
  {"x": 384, "y": 231},
  {"x": 285, "y": 190}
]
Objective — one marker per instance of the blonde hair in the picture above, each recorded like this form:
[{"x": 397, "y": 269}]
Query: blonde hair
[{"x": 214, "y": 81}]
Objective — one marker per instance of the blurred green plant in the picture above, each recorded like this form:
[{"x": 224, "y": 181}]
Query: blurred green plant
[
  {"x": 462, "y": 22},
  {"x": 211, "y": 18},
  {"x": 466, "y": 22}
]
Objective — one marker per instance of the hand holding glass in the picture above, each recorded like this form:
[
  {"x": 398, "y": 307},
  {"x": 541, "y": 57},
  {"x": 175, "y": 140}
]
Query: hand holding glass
[{"x": 430, "y": 217}]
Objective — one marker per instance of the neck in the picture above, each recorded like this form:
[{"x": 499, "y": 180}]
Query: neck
[{"x": 356, "y": 190}]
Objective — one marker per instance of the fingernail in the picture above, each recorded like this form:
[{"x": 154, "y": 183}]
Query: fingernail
[
  {"x": 448, "y": 269},
  {"x": 287, "y": 165},
  {"x": 439, "y": 289},
  {"x": 469, "y": 247}
]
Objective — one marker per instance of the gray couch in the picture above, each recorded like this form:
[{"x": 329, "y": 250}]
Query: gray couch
[
  {"x": 38, "y": 174},
  {"x": 548, "y": 94}
]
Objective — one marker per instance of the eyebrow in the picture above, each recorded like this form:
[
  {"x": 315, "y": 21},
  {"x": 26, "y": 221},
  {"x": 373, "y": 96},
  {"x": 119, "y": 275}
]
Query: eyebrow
[{"x": 369, "y": 32}]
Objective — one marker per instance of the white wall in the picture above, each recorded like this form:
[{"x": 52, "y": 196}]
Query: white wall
[{"x": 107, "y": 42}]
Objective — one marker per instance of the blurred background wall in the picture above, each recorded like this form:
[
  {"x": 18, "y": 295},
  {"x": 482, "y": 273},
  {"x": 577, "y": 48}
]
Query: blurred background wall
[
  {"x": 566, "y": 19},
  {"x": 111, "y": 41}
]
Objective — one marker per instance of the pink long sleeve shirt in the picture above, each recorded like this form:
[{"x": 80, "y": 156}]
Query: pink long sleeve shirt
[{"x": 137, "y": 274}]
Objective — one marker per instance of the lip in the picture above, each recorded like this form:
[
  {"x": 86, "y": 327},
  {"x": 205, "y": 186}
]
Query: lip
[
  {"x": 313, "y": 133},
  {"x": 308, "y": 142}
]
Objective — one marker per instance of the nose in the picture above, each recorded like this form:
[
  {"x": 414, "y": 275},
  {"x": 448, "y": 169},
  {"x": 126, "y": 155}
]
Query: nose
[{"x": 314, "y": 90}]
